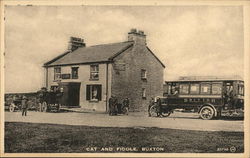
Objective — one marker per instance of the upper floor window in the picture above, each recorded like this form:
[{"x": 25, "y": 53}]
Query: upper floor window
[
  {"x": 143, "y": 74},
  {"x": 74, "y": 72},
  {"x": 57, "y": 73},
  {"x": 94, "y": 72}
]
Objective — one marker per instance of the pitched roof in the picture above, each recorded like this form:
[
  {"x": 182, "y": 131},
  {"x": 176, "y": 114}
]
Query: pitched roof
[{"x": 97, "y": 53}]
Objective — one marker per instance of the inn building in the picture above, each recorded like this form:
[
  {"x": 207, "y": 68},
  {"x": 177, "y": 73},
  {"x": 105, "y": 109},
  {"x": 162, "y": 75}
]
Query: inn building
[{"x": 90, "y": 75}]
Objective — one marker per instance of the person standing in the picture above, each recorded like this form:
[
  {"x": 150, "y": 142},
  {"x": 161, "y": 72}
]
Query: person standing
[
  {"x": 115, "y": 106},
  {"x": 111, "y": 107},
  {"x": 126, "y": 106},
  {"x": 24, "y": 106},
  {"x": 159, "y": 108}
]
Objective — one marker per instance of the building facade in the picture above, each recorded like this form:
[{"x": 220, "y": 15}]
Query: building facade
[{"x": 90, "y": 75}]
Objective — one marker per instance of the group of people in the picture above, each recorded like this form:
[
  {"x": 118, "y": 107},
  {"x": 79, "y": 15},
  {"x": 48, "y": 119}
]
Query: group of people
[{"x": 115, "y": 107}]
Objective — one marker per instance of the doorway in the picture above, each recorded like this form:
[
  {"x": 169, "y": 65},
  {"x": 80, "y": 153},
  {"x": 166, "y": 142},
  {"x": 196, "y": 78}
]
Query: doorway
[{"x": 71, "y": 93}]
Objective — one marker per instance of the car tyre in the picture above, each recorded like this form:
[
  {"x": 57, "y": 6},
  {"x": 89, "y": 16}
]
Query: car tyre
[{"x": 207, "y": 113}]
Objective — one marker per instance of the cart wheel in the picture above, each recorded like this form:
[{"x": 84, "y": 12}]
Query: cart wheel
[
  {"x": 152, "y": 111},
  {"x": 12, "y": 107},
  {"x": 44, "y": 107}
]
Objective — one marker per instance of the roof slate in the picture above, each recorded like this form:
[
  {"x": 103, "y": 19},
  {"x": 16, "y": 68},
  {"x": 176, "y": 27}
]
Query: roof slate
[{"x": 95, "y": 53}]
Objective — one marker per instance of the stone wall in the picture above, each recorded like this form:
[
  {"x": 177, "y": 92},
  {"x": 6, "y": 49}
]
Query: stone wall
[{"x": 128, "y": 82}]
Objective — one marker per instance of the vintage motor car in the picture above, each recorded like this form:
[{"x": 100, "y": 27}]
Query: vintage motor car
[{"x": 12, "y": 103}]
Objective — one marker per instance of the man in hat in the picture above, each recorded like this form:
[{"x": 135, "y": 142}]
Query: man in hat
[
  {"x": 159, "y": 107},
  {"x": 111, "y": 100},
  {"x": 126, "y": 105},
  {"x": 24, "y": 106}
]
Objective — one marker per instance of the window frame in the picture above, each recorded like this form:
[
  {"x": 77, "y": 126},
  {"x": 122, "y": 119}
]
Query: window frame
[
  {"x": 143, "y": 74},
  {"x": 212, "y": 86},
  {"x": 57, "y": 73},
  {"x": 209, "y": 90},
  {"x": 242, "y": 89},
  {"x": 95, "y": 71},
  {"x": 180, "y": 89},
  {"x": 197, "y": 92},
  {"x": 72, "y": 74},
  {"x": 89, "y": 92}
]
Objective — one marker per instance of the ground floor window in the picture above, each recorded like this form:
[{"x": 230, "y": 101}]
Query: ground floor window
[{"x": 94, "y": 92}]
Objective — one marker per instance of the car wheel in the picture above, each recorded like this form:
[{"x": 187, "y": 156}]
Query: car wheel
[{"x": 207, "y": 113}]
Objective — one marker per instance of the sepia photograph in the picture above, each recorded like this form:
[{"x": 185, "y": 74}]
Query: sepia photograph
[{"x": 124, "y": 79}]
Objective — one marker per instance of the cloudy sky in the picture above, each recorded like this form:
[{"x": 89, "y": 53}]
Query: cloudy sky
[{"x": 190, "y": 40}]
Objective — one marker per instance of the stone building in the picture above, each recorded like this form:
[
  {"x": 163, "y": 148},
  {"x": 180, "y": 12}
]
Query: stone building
[{"x": 90, "y": 75}]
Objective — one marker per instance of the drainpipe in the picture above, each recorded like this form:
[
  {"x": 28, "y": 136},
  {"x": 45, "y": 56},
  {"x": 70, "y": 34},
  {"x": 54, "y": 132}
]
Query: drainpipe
[
  {"x": 107, "y": 78},
  {"x": 46, "y": 79}
]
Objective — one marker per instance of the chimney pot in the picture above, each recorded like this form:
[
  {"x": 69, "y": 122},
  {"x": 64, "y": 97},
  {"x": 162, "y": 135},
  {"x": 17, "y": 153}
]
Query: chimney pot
[
  {"x": 141, "y": 32},
  {"x": 133, "y": 30},
  {"x": 76, "y": 43}
]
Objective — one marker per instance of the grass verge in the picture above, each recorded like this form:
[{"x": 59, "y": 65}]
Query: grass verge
[{"x": 52, "y": 138}]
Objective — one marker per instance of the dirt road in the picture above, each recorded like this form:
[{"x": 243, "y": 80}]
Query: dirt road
[{"x": 178, "y": 120}]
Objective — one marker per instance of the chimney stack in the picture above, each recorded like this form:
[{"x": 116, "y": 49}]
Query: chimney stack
[
  {"x": 138, "y": 37},
  {"x": 76, "y": 43}
]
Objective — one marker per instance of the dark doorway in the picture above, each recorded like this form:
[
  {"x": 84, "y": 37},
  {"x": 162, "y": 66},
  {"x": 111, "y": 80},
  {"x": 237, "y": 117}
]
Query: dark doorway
[{"x": 71, "y": 93}]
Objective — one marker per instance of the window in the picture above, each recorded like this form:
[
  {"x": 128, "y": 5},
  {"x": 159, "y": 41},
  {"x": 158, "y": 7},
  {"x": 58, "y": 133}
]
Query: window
[
  {"x": 205, "y": 88},
  {"x": 144, "y": 93},
  {"x": 94, "y": 92},
  {"x": 57, "y": 73},
  {"x": 74, "y": 72},
  {"x": 143, "y": 74},
  {"x": 94, "y": 72},
  {"x": 195, "y": 88},
  {"x": 184, "y": 88},
  {"x": 216, "y": 88},
  {"x": 240, "y": 89}
]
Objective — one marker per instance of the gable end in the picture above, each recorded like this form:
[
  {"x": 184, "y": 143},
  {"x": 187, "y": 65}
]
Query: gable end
[{"x": 156, "y": 57}]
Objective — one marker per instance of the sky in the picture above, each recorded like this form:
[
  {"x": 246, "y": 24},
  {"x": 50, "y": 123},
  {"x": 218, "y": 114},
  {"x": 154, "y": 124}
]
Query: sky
[{"x": 189, "y": 40}]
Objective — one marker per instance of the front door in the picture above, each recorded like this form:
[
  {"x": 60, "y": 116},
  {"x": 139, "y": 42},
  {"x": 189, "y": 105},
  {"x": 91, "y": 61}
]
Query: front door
[
  {"x": 71, "y": 92},
  {"x": 74, "y": 92}
]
